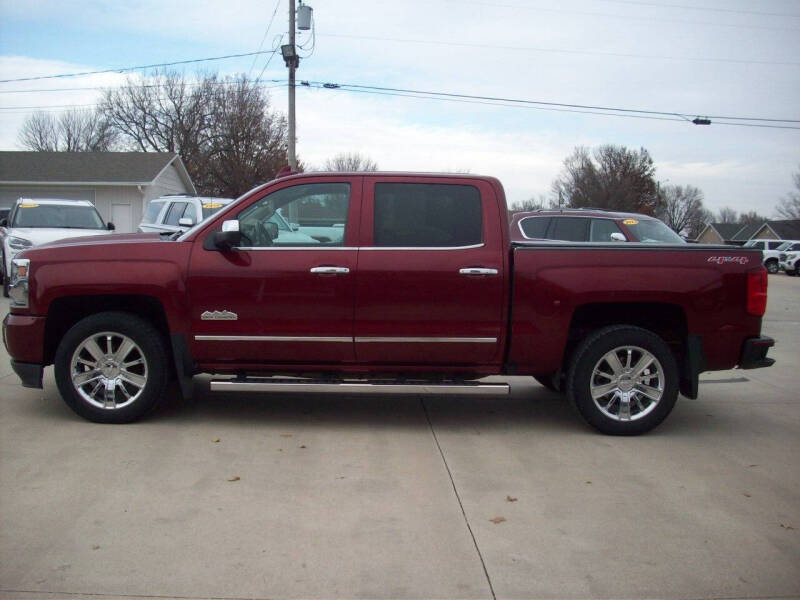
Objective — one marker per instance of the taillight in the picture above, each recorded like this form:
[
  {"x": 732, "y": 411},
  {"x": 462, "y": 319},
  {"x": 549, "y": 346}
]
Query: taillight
[{"x": 757, "y": 292}]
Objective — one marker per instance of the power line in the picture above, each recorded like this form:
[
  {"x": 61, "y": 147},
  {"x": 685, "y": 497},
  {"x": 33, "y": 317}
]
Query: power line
[
  {"x": 263, "y": 39},
  {"x": 559, "y": 50},
  {"x": 627, "y": 17},
  {"x": 703, "y": 8},
  {"x": 140, "y": 67},
  {"x": 148, "y": 85},
  {"x": 682, "y": 115}
]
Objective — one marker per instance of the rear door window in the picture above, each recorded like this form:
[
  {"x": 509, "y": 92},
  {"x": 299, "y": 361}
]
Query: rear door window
[
  {"x": 535, "y": 227},
  {"x": 152, "y": 211},
  {"x": 418, "y": 215},
  {"x": 569, "y": 229}
]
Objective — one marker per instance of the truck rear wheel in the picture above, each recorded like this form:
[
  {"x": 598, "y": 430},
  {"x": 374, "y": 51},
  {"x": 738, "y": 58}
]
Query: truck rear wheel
[
  {"x": 111, "y": 367},
  {"x": 772, "y": 266},
  {"x": 623, "y": 380}
]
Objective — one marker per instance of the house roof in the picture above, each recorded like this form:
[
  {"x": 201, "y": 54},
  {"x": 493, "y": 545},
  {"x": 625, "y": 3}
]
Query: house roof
[
  {"x": 726, "y": 230},
  {"x": 746, "y": 232},
  {"x": 120, "y": 168},
  {"x": 786, "y": 229}
]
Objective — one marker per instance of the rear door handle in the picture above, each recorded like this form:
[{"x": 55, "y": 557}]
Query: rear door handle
[
  {"x": 477, "y": 271},
  {"x": 329, "y": 270}
]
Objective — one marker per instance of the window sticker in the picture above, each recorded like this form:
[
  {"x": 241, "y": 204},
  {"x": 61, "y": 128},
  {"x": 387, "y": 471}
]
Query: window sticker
[
  {"x": 630, "y": 222},
  {"x": 213, "y": 205},
  {"x": 28, "y": 205}
]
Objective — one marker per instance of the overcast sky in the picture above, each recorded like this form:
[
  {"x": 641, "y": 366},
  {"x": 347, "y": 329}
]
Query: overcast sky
[{"x": 728, "y": 58}]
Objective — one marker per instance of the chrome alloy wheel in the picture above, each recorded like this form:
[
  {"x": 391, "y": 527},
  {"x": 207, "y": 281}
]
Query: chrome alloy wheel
[
  {"x": 108, "y": 370},
  {"x": 627, "y": 383}
]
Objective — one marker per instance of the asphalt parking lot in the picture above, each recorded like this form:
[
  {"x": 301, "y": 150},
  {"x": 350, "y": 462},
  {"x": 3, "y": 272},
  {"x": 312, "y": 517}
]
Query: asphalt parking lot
[{"x": 241, "y": 496}]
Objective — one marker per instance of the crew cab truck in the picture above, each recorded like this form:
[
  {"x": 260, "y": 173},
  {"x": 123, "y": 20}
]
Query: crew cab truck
[{"x": 424, "y": 292}]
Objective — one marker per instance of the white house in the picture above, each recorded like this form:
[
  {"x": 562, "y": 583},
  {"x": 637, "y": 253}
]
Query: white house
[{"x": 120, "y": 184}]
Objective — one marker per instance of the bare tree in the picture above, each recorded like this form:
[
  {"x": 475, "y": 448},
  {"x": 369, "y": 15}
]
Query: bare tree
[
  {"x": 727, "y": 215},
  {"x": 224, "y": 130},
  {"x": 72, "y": 131},
  {"x": 750, "y": 218},
  {"x": 789, "y": 207},
  {"x": 612, "y": 177},
  {"x": 350, "y": 161},
  {"x": 682, "y": 208}
]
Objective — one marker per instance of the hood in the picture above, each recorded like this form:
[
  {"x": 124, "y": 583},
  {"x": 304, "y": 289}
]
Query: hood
[
  {"x": 44, "y": 235},
  {"x": 113, "y": 238}
]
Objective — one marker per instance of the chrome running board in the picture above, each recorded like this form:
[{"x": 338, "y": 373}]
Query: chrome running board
[{"x": 355, "y": 386}]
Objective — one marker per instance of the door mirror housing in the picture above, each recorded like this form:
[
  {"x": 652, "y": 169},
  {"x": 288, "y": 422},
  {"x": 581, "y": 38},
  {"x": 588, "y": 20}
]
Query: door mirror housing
[
  {"x": 618, "y": 237},
  {"x": 225, "y": 240},
  {"x": 186, "y": 222},
  {"x": 110, "y": 226}
]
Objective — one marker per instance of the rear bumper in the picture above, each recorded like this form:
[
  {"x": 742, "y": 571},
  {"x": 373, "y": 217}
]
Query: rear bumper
[
  {"x": 30, "y": 374},
  {"x": 754, "y": 353}
]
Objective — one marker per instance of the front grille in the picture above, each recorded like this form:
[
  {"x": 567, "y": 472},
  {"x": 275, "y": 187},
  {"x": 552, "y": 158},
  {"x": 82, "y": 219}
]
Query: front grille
[{"x": 782, "y": 256}]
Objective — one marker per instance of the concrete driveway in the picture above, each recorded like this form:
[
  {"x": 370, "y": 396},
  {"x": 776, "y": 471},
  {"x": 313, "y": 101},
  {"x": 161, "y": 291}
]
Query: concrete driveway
[{"x": 240, "y": 496}]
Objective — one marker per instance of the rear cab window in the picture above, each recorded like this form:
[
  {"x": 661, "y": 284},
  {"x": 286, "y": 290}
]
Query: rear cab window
[
  {"x": 569, "y": 229},
  {"x": 427, "y": 215},
  {"x": 535, "y": 227}
]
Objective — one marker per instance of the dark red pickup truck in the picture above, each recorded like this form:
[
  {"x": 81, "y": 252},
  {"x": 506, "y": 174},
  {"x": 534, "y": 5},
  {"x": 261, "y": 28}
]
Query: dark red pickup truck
[{"x": 371, "y": 283}]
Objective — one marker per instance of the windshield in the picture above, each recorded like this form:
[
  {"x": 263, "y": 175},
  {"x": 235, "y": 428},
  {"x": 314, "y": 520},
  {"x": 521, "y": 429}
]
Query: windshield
[
  {"x": 213, "y": 205},
  {"x": 60, "y": 216},
  {"x": 653, "y": 231},
  {"x": 784, "y": 246}
]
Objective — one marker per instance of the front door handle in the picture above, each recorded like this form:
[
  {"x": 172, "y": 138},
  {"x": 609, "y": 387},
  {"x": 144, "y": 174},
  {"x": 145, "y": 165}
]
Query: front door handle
[
  {"x": 477, "y": 271},
  {"x": 329, "y": 270}
]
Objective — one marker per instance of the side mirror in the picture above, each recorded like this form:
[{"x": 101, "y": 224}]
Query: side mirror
[
  {"x": 228, "y": 238},
  {"x": 110, "y": 226},
  {"x": 186, "y": 222},
  {"x": 618, "y": 237}
]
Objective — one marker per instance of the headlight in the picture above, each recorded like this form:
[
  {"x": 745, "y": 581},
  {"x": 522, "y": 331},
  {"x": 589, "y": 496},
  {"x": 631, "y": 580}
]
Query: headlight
[
  {"x": 19, "y": 244},
  {"x": 18, "y": 282}
]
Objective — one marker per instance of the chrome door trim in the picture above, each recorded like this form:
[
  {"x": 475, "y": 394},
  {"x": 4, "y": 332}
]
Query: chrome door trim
[
  {"x": 271, "y": 338},
  {"x": 427, "y": 340},
  {"x": 422, "y": 247},
  {"x": 329, "y": 270},
  {"x": 320, "y": 247},
  {"x": 477, "y": 271}
]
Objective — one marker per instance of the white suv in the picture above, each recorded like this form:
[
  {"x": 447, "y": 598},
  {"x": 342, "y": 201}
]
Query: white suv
[
  {"x": 169, "y": 214},
  {"x": 32, "y": 222},
  {"x": 771, "y": 250}
]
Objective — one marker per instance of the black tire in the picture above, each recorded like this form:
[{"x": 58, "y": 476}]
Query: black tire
[
  {"x": 646, "y": 413},
  {"x": 791, "y": 273},
  {"x": 152, "y": 373},
  {"x": 771, "y": 266}
]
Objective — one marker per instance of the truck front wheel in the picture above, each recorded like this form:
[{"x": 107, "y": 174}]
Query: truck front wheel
[
  {"x": 111, "y": 367},
  {"x": 623, "y": 380}
]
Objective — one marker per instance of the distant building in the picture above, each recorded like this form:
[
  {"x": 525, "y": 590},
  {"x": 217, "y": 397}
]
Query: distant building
[
  {"x": 719, "y": 233},
  {"x": 786, "y": 229},
  {"x": 120, "y": 184}
]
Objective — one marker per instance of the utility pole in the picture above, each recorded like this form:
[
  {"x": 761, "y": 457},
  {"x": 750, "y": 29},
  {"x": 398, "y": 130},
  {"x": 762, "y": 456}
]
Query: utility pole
[{"x": 292, "y": 63}]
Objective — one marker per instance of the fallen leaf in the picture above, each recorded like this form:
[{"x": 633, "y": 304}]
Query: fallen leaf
[
  {"x": 497, "y": 520},
  {"x": 589, "y": 482},
  {"x": 752, "y": 465},
  {"x": 510, "y": 499},
  {"x": 215, "y": 440},
  {"x": 303, "y": 446},
  {"x": 746, "y": 495},
  {"x": 786, "y": 526},
  {"x": 234, "y": 478},
  {"x": 95, "y": 547}
]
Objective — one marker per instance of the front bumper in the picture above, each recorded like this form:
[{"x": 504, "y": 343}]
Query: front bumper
[
  {"x": 754, "y": 353},
  {"x": 23, "y": 336}
]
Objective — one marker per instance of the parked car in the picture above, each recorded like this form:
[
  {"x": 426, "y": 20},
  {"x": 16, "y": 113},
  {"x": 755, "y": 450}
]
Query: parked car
[
  {"x": 171, "y": 214},
  {"x": 789, "y": 261},
  {"x": 32, "y": 222},
  {"x": 590, "y": 225},
  {"x": 772, "y": 257},
  {"x": 424, "y": 294}
]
